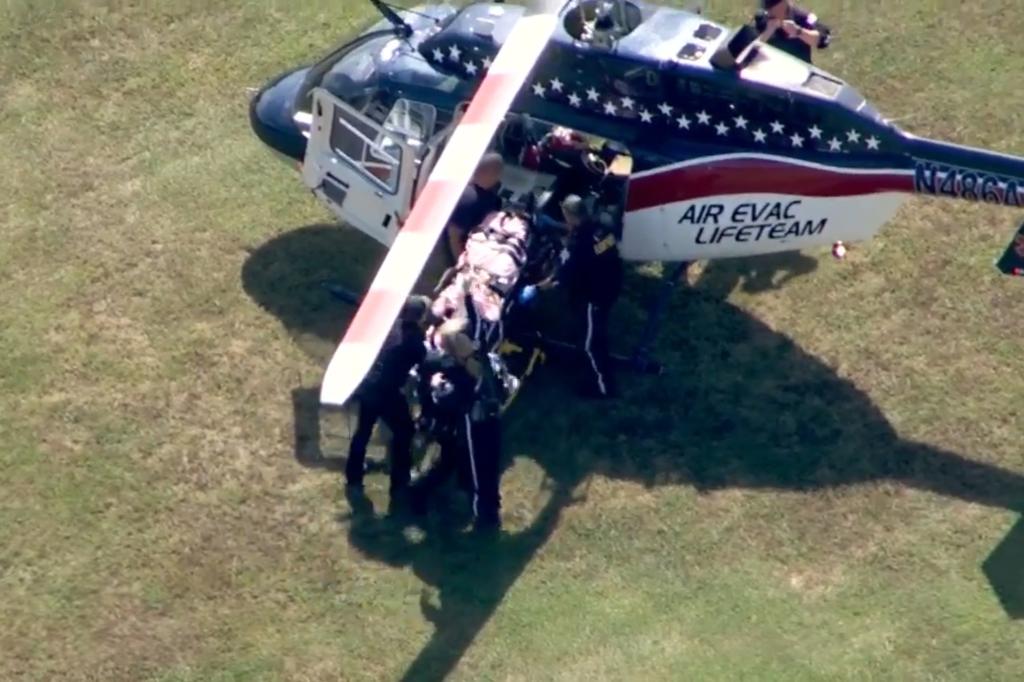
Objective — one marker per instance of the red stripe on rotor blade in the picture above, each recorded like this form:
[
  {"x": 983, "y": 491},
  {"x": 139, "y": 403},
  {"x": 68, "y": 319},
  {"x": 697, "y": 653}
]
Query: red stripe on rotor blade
[
  {"x": 375, "y": 316},
  {"x": 745, "y": 176},
  {"x": 430, "y": 208},
  {"x": 484, "y": 106}
]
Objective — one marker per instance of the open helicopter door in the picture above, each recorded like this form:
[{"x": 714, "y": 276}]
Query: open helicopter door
[
  {"x": 435, "y": 202},
  {"x": 364, "y": 171}
]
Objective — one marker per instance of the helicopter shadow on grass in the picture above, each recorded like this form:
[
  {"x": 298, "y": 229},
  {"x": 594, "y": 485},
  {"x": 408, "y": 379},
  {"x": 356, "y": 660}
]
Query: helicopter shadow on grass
[{"x": 740, "y": 406}]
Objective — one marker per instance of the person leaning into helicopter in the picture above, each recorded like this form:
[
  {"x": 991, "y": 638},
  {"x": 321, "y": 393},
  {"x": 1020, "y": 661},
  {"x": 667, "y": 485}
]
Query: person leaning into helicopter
[
  {"x": 592, "y": 274},
  {"x": 380, "y": 397},
  {"x": 792, "y": 29},
  {"x": 479, "y": 199}
]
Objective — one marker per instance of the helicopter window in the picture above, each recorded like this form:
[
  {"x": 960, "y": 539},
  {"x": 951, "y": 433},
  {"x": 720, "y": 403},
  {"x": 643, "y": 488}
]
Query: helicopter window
[
  {"x": 826, "y": 86},
  {"x": 353, "y": 139},
  {"x": 581, "y": 22},
  {"x": 412, "y": 120},
  {"x": 691, "y": 52},
  {"x": 707, "y": 32}
]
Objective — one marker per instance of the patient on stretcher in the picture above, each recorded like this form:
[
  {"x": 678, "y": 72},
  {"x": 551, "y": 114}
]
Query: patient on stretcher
[{"x": 486, "y": 272}]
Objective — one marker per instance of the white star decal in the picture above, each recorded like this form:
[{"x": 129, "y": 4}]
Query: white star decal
[
  {"x": 834, "y": 144},
  {"x": 872, "y": 142},
  {"x": 703, "y": 118},
  {"x": 627, "y": 102},
  {"x": 556, "y": 85},
  {"x": 438, "y": 55},
  {"x": 853, "y": 136},
  {"x": 815, "y": 132},
  {"x": 797, "y": 140},
  {"x": 683, "y": 122},
  {"x": 759, "y": 135},
  {"x": 645, "y": 116},
  {"x": 574, "y": 99},
  {"x": 486, "y": 62},
  {"x": 609, "y": 108},
  {"x": 538, "y": 89},
  {"x": 470, "y": 68},
  {"x": 777, "y": 127},
  {"x": 740, "y": 122},
  {"x": 454, "y": 52},
  {"x": 721, "y": 129},
  {"x": 592, "y": 95},
  {"x": 665, "y": 108}
]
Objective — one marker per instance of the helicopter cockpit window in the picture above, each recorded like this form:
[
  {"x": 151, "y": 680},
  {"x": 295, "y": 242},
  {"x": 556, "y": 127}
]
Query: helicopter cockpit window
[{"x": 369, "y": 150}]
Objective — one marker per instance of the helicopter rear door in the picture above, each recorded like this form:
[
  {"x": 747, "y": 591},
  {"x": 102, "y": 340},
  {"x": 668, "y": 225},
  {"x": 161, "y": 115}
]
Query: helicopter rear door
[{"x": 362, "y": 170}]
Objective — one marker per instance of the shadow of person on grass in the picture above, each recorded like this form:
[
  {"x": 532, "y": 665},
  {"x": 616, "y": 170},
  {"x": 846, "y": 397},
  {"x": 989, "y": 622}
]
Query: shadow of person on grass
[
  {"x": 740, "y": 406},
  {"x": 756, "y": 274}
]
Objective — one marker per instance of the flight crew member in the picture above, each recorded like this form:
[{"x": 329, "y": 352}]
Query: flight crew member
[
  {"x": 380, "y": 396},
  {"x": 478, "y": 199},
  {"x": 592, "y": 274},
  {"x": 792, "y": 29}
]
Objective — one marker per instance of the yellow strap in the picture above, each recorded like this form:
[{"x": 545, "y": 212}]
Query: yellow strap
[
  {"x": 605, "y": 244},
  {"x": 507, "y": 348},
  {"x": 538, "y": 354}
]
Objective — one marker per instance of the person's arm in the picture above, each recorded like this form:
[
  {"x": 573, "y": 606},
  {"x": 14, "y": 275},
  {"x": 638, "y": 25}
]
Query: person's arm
[
  {"x": 456, "y": 240},
  {"x": 771, "y": 27},
  {"x": 809, "y": 31}
]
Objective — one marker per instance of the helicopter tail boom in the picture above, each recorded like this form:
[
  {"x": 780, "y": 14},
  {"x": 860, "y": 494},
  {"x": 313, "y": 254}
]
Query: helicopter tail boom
[
  {"x": 972, "y": 174},
  {"x": 968, "y": 173}
]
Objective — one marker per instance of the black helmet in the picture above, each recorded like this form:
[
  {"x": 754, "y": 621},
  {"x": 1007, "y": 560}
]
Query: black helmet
[{"x": 415, "y": 308}]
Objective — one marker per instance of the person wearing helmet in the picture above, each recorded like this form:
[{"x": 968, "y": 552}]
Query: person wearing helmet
[
  {"x": 380, "y": 396},
  {"x": 592, "y": 274}
]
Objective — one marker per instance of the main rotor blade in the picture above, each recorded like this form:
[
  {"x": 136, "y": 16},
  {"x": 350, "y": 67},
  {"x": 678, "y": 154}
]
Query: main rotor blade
[{"x": 412, "y": 246}]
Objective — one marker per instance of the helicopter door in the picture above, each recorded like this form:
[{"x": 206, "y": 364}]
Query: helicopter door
[{"x": 364, "y": 171}]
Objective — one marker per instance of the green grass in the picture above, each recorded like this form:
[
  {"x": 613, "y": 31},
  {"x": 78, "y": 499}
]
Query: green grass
[{"x": 822, "y": 486}]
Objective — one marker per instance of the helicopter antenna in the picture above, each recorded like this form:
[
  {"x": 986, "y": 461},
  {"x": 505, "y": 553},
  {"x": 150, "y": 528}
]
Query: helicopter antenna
[
  {"x": 403, "y": 29},
  {"x": 412, "y": 11}
]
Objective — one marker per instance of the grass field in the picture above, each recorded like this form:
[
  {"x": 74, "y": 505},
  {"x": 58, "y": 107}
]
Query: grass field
[{"x": 827, "y": 483}]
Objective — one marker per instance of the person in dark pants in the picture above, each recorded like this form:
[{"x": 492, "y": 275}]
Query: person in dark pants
[
  {"x": 380, "y": 397},
  {"x": 478, "y": 200},
  {"x": 592, "y": 275},
  {"x": 792, "y": 29},
  {"x": 467, "y": 429}
]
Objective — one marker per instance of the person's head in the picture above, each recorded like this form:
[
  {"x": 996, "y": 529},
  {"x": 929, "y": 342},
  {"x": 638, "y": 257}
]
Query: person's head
[
  {"x": 454, "y": 340},
  {"x": 573, "y": 210},
  {"x": 415, "y": 311},
  {"x": 776, "y": 9},
  {"x": 488, "y": 171}
]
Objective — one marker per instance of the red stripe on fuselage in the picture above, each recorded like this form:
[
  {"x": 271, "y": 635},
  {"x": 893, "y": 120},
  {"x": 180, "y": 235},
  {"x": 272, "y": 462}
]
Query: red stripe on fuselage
[{"x": 756, "y": 176}]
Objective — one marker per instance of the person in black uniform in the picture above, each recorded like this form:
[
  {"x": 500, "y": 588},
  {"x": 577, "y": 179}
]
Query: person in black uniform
[
  {"x": 792, "y": 29},
  {"x": 467, "y": 428},
  {"x": 478, "y": 199},
  {"x": 592, "y": 274},
  {"x": 380, "y": 397}
]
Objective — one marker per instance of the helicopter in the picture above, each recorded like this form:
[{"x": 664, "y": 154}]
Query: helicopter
[{"x": 725, "y": 146}]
